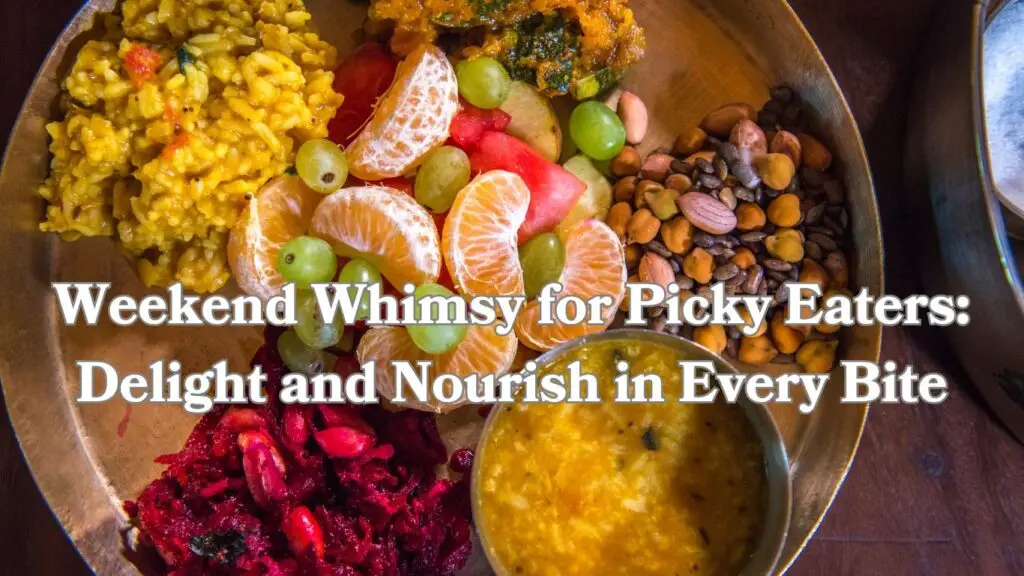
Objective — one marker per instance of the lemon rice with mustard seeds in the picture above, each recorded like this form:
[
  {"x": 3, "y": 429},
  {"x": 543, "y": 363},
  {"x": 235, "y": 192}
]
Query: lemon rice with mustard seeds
[{"x": 183, "y": 113}]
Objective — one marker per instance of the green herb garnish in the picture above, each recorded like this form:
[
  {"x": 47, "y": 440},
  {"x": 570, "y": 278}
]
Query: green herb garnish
[{"x": 184, "y": 58}]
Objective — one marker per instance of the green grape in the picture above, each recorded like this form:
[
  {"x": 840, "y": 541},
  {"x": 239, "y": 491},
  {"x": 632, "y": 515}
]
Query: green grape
[
  {"x": 597, "y": 130},
  {"x": 435, "y": 338},
  {"x": 483, "y": 82},
  {"x": 444, "y": 172},
  {"x": 322, "y": 165},
  {"x": 543, "y": 259},
  {"x": 360, "y": 271},
  {"x": 311, "y": 327},
  {"x": 305, "y": 260},
  {"x": 300, "y": 358}
]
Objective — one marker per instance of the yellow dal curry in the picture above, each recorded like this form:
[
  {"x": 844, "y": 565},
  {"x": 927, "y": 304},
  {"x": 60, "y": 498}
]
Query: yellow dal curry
[{"x": 630, "y": 489}]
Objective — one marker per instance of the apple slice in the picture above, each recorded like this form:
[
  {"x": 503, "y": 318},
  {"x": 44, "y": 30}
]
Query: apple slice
[
  {"x": 533, "y": 120},
  {"x": 595, "y": 201}
]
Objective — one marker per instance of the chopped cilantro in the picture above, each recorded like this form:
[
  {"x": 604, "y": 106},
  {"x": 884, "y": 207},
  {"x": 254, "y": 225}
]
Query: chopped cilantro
[{"x": 184, "y": 58}]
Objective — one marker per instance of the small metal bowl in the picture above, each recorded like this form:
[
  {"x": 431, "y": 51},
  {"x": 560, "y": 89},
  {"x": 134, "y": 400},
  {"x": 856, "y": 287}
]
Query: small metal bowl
[
  {"x": 962, "y": 244},
  {"x": 776, "y": 525}
]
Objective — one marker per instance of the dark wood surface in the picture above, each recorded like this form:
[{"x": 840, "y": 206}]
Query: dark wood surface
[{"x": 934, "y": 490}]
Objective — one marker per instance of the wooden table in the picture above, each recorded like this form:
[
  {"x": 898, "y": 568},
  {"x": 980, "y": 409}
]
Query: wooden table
[{"x": 934, "y": 490}]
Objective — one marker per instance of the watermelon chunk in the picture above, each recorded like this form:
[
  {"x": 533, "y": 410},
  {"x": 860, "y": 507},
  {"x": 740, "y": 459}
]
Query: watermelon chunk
[
  {"x": 363, "y": 77},
  {"x": 471, "y": 122},
  {"x": 554, "y": 190}
]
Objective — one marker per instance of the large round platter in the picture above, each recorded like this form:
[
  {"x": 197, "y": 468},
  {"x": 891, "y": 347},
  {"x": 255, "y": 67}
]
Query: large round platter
[{"x": 88, "y": 458}]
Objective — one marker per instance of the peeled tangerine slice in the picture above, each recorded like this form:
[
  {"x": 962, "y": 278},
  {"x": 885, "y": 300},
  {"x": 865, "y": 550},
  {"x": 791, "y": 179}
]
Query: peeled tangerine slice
[
  {"x": 385, "y": 226},
  {"x": 479, "y": 239},
  {"x": 482, "y": 352},
  {"x": 411, "y": 119},
  {"x": 594, "y": 266},
  {"x": 280, "y": 211}
]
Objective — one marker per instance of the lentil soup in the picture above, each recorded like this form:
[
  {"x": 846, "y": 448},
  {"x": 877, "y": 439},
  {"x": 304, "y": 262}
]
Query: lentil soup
[{"x": 651, "y": 488}]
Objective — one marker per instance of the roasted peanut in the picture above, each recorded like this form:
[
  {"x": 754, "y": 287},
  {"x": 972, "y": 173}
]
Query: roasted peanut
[
  {"x": 836, "y": 265},
  {"x": 663, "y": 203},
  {"x": 625, "y": 188},
  {"x": 747, "y": 134},
  {"x": 706, "y": 155},
  {"x": 626, "y": 162},
  {"x": 787, "y": 339},
  {"x": 677, "y": 234},
  {"x": 812, "y": 272},
  {"x": 744, "y": 257},
  {"x": 787, "y": 143},
  {"x": 642, "y": 188},
  {"x": 618, "y": 218},
  {"x": 680, "y": 182},
  {"x": 815, "y": 154},
  {"x": 655, "y": 167},
  {"x": 784, "y": 211},
  {"x": 757, "y": 351},
  {"x": 749, "y": 216},
  {"x": 786, "y": 245},
  {"x": 699, "y": 265},
  {"x": 748, "y": 321},
  {"x": 633, "y": 112},
  {"x": 690, "y": 141},
  {"x": 643, "y": 227},
  {"x": 633, "y": 254},
  {"x": 720, "y": 122},
  {"x": 711, "y": 337},
  {"x": 775, "y": 170},
  {"x": 817, "y": 356},
  {"x": 823, "y": 326}
]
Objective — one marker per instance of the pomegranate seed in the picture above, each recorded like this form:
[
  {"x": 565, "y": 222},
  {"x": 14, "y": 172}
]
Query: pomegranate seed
[
  {"x": 461, "y": 461},
  {"x": 344, "y": 442},
  {"x": 335, "y": 416},
  {"x": 264, "y": 477},
  {"x": 303, "y": 532},
  {"x": 238, "y": 419},
  {"x": 252, "y": 438},
  {"x": 295, "y": 426}
]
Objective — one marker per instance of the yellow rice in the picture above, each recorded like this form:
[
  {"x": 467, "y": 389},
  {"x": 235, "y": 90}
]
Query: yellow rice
[{"x": 167, "y": 166}]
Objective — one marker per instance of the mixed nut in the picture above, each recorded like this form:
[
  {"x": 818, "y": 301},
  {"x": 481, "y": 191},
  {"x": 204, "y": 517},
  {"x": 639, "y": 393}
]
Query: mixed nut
[{"x": 747, "y": 198}]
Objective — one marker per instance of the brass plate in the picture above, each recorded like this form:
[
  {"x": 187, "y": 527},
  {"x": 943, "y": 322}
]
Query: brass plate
[{"x": 702, "y": 54}]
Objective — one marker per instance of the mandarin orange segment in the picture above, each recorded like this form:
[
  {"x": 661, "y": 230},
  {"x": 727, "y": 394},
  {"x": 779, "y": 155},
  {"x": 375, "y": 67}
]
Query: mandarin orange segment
[
  {"x": 385, "y": 226},
  {"x": 482, "y": 352},
  {"x": 479, "y": 238},
  {"x": 594, "y": 266},
  {"x": 280, "y": 211},
  {"x": 411, "y": 119}
]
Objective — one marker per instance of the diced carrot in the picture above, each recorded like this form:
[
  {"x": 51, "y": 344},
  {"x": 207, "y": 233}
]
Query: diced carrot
[
  {"x": 141, "y": 63},
  {"x": 179, "y": 141}
]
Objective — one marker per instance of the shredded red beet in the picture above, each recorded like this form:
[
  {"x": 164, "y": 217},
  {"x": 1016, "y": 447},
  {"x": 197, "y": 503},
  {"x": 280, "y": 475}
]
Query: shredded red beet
[{"x": 294, "y": 490}]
